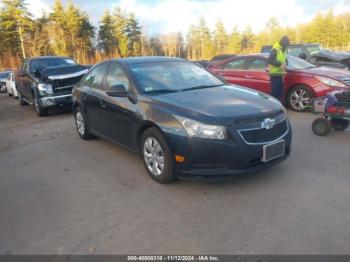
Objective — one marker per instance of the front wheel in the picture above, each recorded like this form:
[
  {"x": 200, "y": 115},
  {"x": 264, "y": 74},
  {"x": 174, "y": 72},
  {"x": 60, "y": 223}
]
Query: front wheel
[
  {"x": 339, "y": 124},
  {"x": 40, "y": 111},
  {"x": 321, "y": 126},
  {"x": 81, "y": 125},
  {"x": 156, "y": 156},
  {"x": 299, "y": 98}
]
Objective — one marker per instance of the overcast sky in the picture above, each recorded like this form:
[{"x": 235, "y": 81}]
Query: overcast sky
[{"x": 164, "y": 16}]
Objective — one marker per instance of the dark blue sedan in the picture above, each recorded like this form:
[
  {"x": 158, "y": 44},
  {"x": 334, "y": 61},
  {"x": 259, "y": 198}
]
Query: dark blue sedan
[{"x": 184, "y": 121}]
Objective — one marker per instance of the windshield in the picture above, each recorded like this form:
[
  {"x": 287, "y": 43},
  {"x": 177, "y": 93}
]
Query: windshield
[
  {"x": 39, "y": 64},
  {"x": 172, "y": 77},
  {"x": 298, "y": 64},
  {"x": 315, "y": 49},
  {"x": 4, "y": 75}
]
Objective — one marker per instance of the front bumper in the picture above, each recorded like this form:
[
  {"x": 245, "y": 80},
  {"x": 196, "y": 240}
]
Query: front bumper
[
  {"x": 56, "y": 101},
  {"x": 214, "y": 159}
]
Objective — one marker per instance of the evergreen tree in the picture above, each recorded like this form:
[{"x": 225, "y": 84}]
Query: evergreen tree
[
  {"x": 106, "y": 34},
  {"x": 120, "y": 22},
  {"x": 234, "y": 44},
  {"x": 15, "y": 24},
  {"x": 132, "y": 32},
  {"x": 220, "y": 38}
]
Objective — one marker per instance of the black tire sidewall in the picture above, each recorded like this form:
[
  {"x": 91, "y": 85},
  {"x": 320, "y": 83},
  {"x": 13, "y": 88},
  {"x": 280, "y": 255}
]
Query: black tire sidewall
[
  {"x": 339, "y": 124},
  {"x": 20, "y": 99},
  {"x": 38, "y": 108},
  {"x": 168, "y": 174},
  {"x": 321, "y": 121},
  {"x": 86, "y": 135}
]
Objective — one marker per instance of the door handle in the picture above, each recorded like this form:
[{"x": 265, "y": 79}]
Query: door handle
[
  {"x": 248, "y": 76},
  {"x": 222, "y": 74}
]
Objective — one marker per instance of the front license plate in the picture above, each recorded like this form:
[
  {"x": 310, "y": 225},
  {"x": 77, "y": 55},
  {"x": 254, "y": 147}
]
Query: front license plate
[{"x": 273, "y": 151}]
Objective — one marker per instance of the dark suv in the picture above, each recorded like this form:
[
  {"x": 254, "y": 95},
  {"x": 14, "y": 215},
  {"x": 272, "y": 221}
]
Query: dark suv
[
  {"x": 317, "y": 56},
  {"x": 47, "y": 82},
  {"x": 183, "y": 120}
]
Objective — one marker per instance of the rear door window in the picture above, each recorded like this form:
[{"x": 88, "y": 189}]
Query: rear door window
[
  {"x": 257, "y": 64},
  {"x": 236, "y": 64}
]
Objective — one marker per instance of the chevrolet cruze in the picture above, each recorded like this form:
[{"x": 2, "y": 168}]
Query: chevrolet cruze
[{"x": 184, "y": 121}]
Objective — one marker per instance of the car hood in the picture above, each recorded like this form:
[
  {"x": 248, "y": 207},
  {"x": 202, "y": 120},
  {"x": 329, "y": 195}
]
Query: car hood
[
  {"x": 339, "y": 74},
  {"x": 219, "y": 105},
  {"x": 341, "y": 57},
  {"x": 58, "y": 72}
]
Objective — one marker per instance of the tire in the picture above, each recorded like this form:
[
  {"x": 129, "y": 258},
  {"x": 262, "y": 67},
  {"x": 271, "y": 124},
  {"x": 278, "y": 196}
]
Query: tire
[
  {"x": 20, "y": 99},
  {"x": 156, "y": 156},
  {"x": 40, "y": 111},
  {"x": 339, "y": 124},
  {"x": 298, "y": 98},
  {"x": 321, "y": 126},
  {"x": 81, "y": 125}
]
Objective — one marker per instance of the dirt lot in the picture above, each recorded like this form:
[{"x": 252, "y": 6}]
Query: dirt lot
[{"x": 62, "y": 195}]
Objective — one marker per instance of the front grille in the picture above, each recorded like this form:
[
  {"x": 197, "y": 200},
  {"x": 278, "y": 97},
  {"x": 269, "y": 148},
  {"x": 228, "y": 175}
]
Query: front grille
[
  {"x": 262, "y": 135},
  {"x": 259, "y": 119},
  {"x": 65, "y": 86}
]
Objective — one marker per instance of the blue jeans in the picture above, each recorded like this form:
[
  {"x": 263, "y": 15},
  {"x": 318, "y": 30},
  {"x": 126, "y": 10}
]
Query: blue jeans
[{"x": 276, "y": 86}]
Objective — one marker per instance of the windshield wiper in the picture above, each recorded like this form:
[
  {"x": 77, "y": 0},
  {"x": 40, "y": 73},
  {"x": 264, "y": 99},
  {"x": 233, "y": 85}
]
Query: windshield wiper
[
  {"x": 199, "y": 87},
  {"x": 161, "y": 91}
]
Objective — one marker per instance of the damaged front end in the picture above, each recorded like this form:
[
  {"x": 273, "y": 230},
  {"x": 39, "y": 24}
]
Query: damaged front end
[
  {"x": 57, "y": 83},
  {"x": 335, "y": 59}
]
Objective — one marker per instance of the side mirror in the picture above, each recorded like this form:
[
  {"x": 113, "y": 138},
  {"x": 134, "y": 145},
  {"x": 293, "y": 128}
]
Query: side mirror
[
  {"x": 117, "y": 90},
  {"x": 21, "y": 73}
]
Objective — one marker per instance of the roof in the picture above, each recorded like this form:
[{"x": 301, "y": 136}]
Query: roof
[
  {"x": 270, "y": 46},
  {"x": 48, "y": 57},
  {"x": 149, "y": 59},
  {"x": 256, "y": 54}
]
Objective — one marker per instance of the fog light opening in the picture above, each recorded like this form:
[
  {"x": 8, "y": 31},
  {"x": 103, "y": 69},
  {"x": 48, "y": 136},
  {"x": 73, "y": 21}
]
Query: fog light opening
[{"x": 179, "y": 158}]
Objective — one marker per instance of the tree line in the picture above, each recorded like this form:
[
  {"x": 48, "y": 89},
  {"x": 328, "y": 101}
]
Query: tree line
[{"x": 67, "y": 30}]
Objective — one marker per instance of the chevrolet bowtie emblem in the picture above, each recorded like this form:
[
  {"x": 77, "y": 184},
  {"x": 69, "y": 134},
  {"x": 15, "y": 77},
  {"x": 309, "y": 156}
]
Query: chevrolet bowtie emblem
[{"x": 268, "y": 123}]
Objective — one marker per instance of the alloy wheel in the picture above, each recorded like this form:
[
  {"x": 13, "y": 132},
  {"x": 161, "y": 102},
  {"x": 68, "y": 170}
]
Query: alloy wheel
[
  {"x": 299, "y": 99},
  {"x": 79, "y": 119},
  {"x": 153, "y": 156}
]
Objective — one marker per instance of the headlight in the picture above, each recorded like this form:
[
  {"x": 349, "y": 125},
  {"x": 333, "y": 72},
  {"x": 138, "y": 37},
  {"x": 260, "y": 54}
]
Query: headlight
[
  {"x": 197, "y": 129},
  {"x": 45, "y": 89},
  {"x": 331, "y": 82}
]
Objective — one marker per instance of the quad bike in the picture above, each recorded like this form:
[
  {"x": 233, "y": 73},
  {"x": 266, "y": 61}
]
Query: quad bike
[{"x": 334, "y": 111}]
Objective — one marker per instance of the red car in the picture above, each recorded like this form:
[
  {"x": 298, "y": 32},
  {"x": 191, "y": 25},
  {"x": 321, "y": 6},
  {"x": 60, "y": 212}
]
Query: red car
[{"x": 303, "y": 81}]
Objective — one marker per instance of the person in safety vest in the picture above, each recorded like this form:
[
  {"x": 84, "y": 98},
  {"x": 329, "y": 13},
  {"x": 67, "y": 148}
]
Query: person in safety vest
[{"x": 277, "y": 65}]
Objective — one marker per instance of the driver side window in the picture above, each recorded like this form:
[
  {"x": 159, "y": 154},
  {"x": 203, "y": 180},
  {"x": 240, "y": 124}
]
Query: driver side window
[
  {"x": 116, "y": 76},
  {"x": 94, "y": 78}
]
